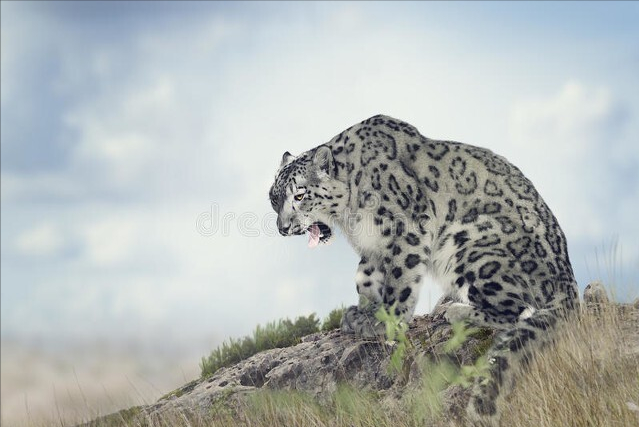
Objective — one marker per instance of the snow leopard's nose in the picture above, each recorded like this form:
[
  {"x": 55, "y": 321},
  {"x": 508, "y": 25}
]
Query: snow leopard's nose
[
  {"x": 283, "y": 228},
  {"x": 284, "y": 231}
]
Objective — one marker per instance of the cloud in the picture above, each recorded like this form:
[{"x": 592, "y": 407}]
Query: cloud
[
  {"x": 43, "y": 187},
  {"x": 573, "y": 122},
  {"x": 109, "y": 241},
  {"x": 576, "y": 147},
  {"x": 42, "y": 240},
  {"x": 570, "y": 144},
  {"x": 162, "y": 125}
]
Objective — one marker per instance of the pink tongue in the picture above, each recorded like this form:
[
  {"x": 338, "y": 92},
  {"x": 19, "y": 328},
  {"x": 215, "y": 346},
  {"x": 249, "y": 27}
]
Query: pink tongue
[{"x": 313, "y": 236}]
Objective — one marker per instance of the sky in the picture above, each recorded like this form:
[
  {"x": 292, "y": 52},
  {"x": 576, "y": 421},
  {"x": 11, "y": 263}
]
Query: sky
[{"x": 139, "y": 141}]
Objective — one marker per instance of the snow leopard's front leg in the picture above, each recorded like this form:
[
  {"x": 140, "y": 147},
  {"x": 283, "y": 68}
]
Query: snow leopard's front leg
[
  {"x": 404, "y": 267},
  {"x": 390, "y": 280},
  {"x": 360, "y": 319}
]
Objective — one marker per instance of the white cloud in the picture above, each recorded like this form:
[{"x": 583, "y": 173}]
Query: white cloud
[
  {"x": 193, "y": 120},
  {"x": 579, "y": 149},
  {"x": 40, "y": 187},
  {"x": 567, "y": 144},
  {"x": 109, "y": 241},
  {"x": 187, "y": 124},
  {"x": 44, "y": 239},
  {"x": 572, "y": 122}
]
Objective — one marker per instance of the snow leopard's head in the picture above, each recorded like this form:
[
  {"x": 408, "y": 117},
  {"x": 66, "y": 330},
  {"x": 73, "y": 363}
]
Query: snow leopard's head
[{"x": 307, "y": 196}]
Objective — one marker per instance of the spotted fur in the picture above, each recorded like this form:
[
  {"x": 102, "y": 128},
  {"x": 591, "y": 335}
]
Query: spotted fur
[{"x": 412, "y": 206}]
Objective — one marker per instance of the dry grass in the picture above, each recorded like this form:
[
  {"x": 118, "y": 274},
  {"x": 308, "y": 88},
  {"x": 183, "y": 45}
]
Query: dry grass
[{"x": 589, "y": 378}]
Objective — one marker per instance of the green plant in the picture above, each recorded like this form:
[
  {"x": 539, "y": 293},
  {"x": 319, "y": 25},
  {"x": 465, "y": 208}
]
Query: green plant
[
  {"x": 333, "y": 320},
  {"x": 484, "y": 337},
  {"x": 467, "y": 373},
  {"x": 283, "y": 333},
  {"x": 426, "y": 404},
  {"x": 396, "y": 330},
  {"x": 279, "y": 334}
]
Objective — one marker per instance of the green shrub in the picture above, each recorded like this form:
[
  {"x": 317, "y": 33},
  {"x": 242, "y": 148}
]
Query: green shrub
[
  {"x": 283, "y": 333},
  {"x": 279, "y": 334},
  {"x": 333, "y": 320}
]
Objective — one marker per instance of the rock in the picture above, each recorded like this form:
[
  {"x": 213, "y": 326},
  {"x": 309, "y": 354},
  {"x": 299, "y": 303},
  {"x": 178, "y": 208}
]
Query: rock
[
  {"x": 595, "y": 293},
  {"x": 321, "y": 362},
  {"x": 635, "y": 304},
  {"x": 314, "y": 366},
  {"x": 442, "y": 305}
]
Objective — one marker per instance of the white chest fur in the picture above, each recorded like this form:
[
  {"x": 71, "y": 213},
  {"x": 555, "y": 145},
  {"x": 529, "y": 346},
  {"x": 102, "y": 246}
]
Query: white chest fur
[{"x": 363, "y": 233}]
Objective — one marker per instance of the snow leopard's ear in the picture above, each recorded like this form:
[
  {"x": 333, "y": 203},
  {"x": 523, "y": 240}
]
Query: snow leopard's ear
[
  {"x": 286, "y": 159},
  {"x": 323, "y": 160}
]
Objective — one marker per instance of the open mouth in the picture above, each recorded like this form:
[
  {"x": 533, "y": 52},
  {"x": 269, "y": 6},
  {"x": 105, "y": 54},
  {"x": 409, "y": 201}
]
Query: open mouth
[{"x": 318, "y": 233}]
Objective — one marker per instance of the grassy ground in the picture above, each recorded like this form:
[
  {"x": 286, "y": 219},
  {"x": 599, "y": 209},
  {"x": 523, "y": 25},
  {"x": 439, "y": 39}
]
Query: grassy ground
[{"x": 589, "y": 378}]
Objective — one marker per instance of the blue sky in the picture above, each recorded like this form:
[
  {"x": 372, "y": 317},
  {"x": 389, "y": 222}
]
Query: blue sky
[{"x": 122, "y": 123}]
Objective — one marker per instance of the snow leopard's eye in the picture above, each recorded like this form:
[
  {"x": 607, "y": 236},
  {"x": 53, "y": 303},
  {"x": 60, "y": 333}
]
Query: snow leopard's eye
[{"x": 299, "y": 197}]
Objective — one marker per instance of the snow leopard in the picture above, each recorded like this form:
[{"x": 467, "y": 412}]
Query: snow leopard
[{"x": 414, "y": 207}]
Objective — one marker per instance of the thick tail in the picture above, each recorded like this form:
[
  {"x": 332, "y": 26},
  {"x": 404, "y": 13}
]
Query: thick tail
[{"x": 512, "y": 348}]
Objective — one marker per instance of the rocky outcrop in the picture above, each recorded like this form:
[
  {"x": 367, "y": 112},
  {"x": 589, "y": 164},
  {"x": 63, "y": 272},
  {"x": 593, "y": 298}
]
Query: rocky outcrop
[
  {"x": 315, "y": 366},
  {"x": 323, "y": 361},
  {"x": 320, "y": 363}
]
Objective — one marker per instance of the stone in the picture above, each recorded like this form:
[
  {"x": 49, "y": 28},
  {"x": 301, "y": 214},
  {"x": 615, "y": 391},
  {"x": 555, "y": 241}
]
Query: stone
[
  {"x": 318, "y": 365},
  {"x": 595, "y": 293}
]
